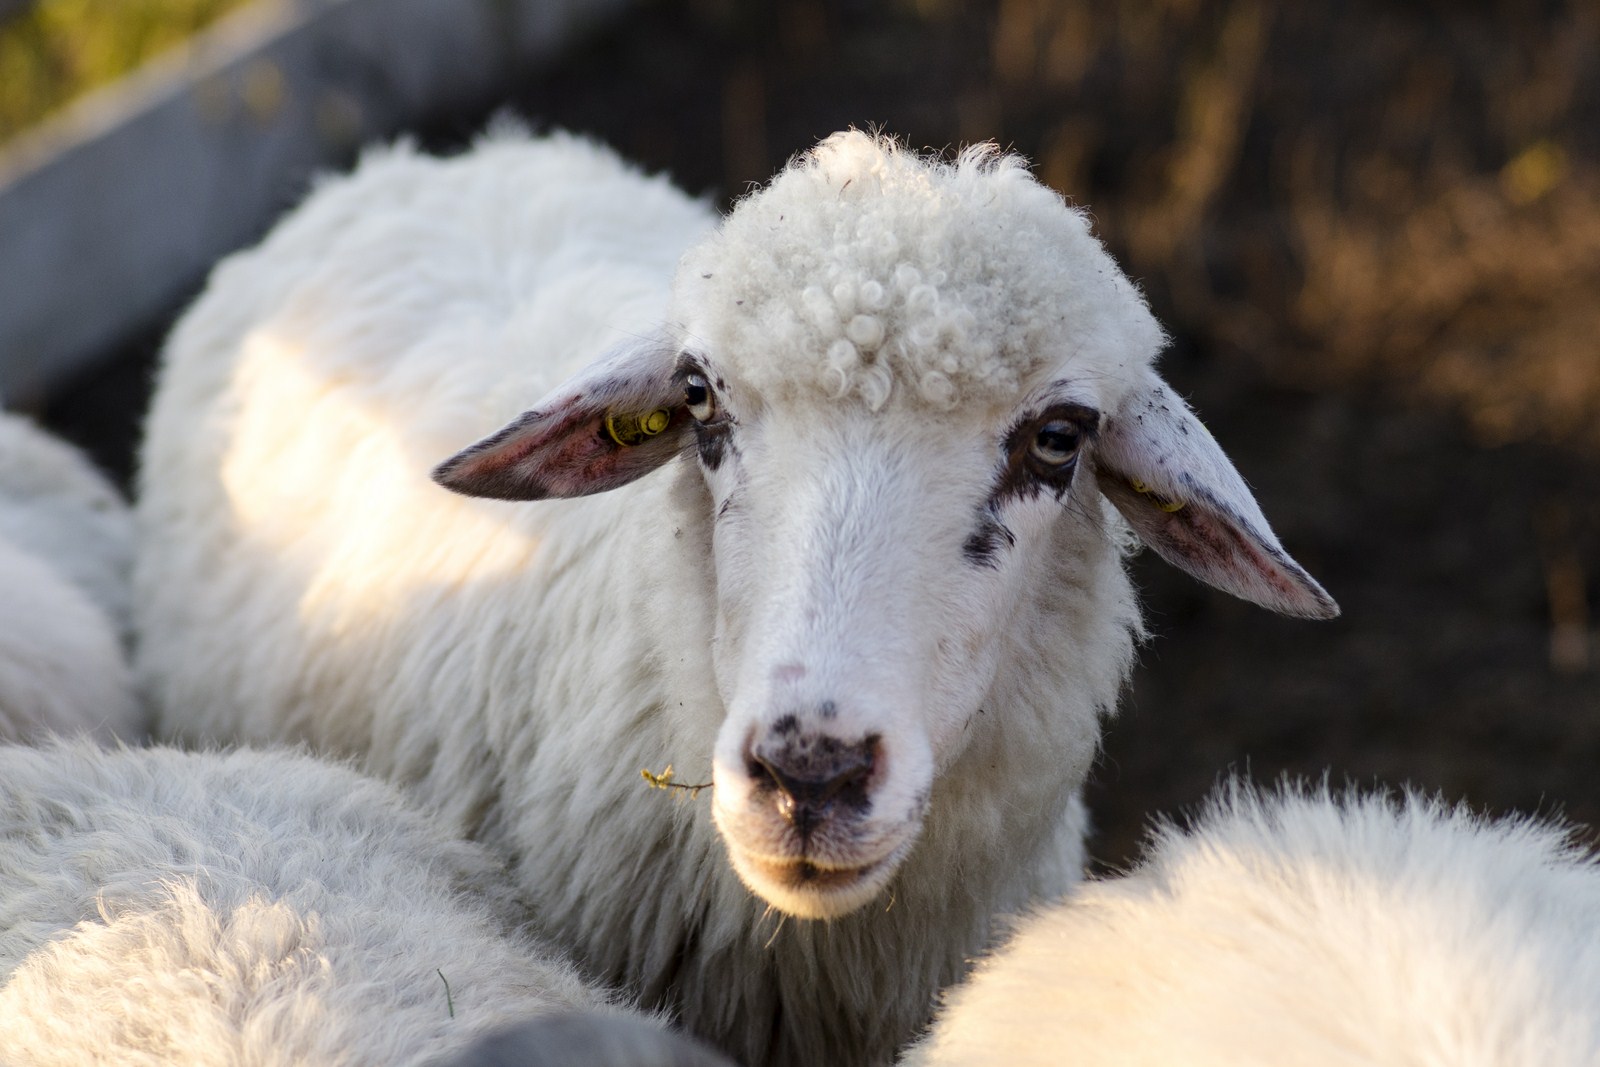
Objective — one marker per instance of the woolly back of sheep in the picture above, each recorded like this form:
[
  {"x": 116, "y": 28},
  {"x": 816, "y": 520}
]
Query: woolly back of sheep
[
  {"x": 1310, "y": 928},
  {"x": 248, "y": 909}
]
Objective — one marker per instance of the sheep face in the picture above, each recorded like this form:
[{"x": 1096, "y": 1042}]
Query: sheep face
[
  {"x": 914, "y": 391},
  {"x": 870, "y": 568}
]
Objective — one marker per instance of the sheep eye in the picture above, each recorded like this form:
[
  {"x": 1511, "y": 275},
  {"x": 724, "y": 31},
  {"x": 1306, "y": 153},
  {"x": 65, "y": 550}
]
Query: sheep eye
[
  {"x": 1056, "y": 443},
  {"x": 698, "y": 396}
]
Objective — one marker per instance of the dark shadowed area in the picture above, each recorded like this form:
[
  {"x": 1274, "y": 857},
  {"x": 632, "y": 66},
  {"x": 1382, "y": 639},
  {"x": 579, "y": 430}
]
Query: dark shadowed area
[{"x": 1373, "y": 231}]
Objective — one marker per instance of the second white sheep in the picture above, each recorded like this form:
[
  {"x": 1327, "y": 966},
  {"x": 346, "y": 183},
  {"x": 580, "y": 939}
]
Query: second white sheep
[
  {"x": 255, "y": 909},
  {"x": 1304, "y": 928}
]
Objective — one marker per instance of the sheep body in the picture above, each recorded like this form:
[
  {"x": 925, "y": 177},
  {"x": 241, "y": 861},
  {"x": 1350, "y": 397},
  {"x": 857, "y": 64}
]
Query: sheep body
[
  {"x": 248, "y": 908},
  {"x": 517, "y": 666},
  {"x": 66, "y": 547},
  {"x": 1308, "y": 929}
]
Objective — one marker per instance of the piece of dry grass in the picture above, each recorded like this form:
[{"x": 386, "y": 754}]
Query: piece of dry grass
[{"x": 664, "y": 781}]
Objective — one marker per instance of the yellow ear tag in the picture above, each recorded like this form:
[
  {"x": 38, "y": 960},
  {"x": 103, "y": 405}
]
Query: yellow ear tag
[
  {"x": 629, "y": 430},
  {"x": 1169, "y": 506}
]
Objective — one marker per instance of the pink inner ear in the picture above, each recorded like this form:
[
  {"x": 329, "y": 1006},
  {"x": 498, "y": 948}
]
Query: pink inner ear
[
  {"x": 557, "y": 455},
  {"x": 1155, "y": 454},
  {"x": 1211, "y": 542},
  {"x": 560, "y": 448},
  {"x": 1219, "y": 548},
  {"x": 505, "y": 465}
]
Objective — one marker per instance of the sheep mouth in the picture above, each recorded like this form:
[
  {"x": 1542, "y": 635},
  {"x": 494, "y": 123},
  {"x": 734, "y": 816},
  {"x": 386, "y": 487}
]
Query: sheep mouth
[
  {"x": 803, "y": 875},
  {"x": 807, "y": 889}
]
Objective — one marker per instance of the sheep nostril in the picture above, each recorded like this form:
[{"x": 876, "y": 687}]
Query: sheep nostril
[
  {"x": 812, "y": 776},
  {"x": 759, "y": 772}
]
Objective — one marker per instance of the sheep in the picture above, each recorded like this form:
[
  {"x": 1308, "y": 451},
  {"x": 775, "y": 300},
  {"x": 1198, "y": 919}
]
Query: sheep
[
  {"x": 257, "y": 908},
  {"x": 66, "y": 547},
  {"x": 907, "y": 418},
  {"x": 1304, "y": 928}
]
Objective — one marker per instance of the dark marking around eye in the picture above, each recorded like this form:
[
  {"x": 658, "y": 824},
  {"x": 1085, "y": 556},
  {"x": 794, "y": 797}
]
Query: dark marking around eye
[
  {"x": 1024, "y": 477},
  {"x": 711, "y": 438},
  {"x": 713, "y": 442},
  {"x": 982, "y": 547}
]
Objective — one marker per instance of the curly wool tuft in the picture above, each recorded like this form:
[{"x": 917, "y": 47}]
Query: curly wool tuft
[{"x": 883, "y": 271}]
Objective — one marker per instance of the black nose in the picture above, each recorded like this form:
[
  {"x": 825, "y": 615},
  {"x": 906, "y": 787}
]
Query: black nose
[{"x": 814, "y": 775}]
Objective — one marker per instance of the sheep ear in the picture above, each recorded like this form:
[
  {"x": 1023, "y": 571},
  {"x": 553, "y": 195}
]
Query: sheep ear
[
  {"x": 614, "y": 422},
  {"x": 1171, "y": 480}
]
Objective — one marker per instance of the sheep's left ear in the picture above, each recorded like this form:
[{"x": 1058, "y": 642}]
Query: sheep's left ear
[
  {"x": 1175, "y": 486},
  {"x": 615, "y": 421}
]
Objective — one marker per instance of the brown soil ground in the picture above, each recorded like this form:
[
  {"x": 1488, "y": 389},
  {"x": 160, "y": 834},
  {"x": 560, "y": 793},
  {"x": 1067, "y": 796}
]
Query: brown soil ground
[{"x": 1375, "y": 235}]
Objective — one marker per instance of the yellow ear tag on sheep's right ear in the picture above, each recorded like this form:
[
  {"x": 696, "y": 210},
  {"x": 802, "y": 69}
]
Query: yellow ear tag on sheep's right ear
[{"x": 629, "y": 430}]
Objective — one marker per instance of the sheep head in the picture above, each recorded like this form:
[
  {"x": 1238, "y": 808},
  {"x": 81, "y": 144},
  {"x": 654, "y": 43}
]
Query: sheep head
[{"x": 916, "y": 390}]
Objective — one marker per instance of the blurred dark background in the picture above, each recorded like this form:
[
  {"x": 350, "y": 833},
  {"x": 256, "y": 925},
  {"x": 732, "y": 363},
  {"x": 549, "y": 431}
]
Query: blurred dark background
[{"x": 1373, "y": 231}]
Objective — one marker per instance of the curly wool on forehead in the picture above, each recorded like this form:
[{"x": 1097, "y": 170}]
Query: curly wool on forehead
[{"x": 865, "y": 268}]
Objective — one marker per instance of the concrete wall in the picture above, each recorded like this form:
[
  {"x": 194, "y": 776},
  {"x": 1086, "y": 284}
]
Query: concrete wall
[{"x": 114, "y": 211}]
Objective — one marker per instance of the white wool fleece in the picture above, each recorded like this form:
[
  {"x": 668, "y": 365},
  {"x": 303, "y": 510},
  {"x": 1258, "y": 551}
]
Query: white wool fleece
[
  {"x": 248, "y": 909},
  {"x": 875, "y": 272},
  {"x": 1309, "y": 930},
  {"x": 62, "y": 668},
  {"x": 57, "y": 506},
  {"x": 66, "y": 548}
]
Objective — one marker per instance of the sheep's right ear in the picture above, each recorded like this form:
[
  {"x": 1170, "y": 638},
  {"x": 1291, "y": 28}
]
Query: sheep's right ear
[{"x": 618, "y": 420}]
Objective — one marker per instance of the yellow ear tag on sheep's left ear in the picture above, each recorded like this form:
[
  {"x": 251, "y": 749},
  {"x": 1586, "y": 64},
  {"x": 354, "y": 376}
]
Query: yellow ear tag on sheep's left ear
[
  {"x": 629, "y": 430},
  {"x": 1169, "y": 506}
]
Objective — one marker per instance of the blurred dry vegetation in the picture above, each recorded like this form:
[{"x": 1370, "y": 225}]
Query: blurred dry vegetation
[
  {"x": 54, "y": 51},
  {"x": 1410, "y": 190}
]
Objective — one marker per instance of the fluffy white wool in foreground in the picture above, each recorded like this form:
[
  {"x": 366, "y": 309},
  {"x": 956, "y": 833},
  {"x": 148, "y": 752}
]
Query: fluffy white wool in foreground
[
  {"x": 1304, "y": 929},
  {"x": 56, "y": 505},
  {"x": 66, "y": 546},
  {"x": 249, "y": 909},
  {"x": 850, "y": 574},
  {"x": 62, "y": 669}
]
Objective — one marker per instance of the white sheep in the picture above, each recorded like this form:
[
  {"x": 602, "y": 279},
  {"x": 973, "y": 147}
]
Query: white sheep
[
  {"x": 1301, "y": 928},
  {"x": 250, "y": 909},
  {"x": 66, "y": 547},
  {"x": 876, "y": 595}
]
